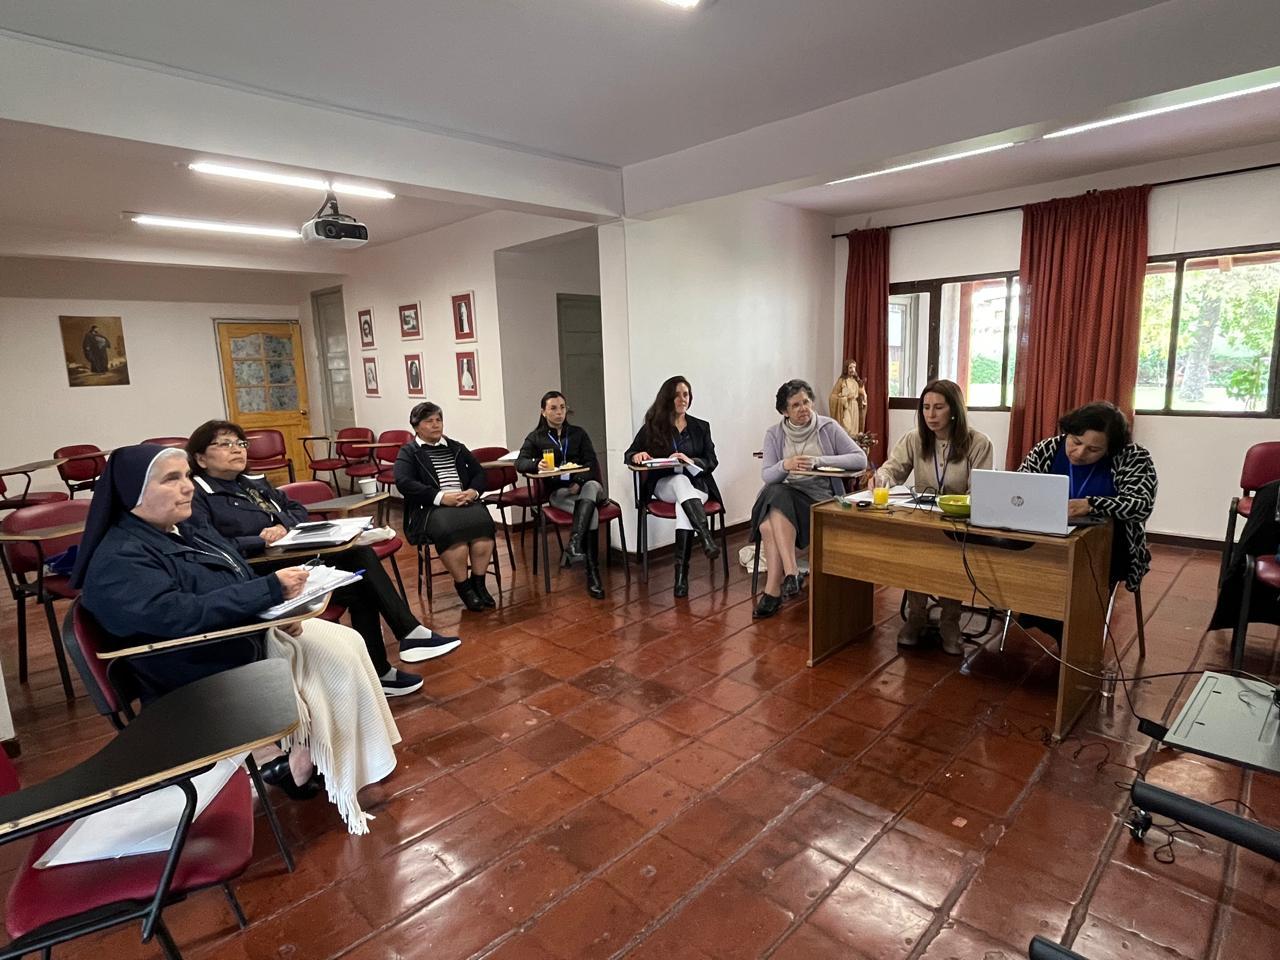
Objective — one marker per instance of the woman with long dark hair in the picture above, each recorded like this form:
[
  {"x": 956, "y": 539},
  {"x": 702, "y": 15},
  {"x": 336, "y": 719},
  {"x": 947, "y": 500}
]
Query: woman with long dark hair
[
  {"x": 941, "y": 452},
  {"x": 569, "y": 443},
  {"x": 669, "y": 431}
]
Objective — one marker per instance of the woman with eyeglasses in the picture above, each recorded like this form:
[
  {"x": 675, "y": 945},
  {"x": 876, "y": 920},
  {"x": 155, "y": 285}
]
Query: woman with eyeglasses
[{"x": 252, "y": 514}]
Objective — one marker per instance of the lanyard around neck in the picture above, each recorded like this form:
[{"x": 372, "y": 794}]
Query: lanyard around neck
[
  {"x": 1076, "y": 491},
  {"x": 562, "y": 447},
  {"x": 940, "y": 471}
]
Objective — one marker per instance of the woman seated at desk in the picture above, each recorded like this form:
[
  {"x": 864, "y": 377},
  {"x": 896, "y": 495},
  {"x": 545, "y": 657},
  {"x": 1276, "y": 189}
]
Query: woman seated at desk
[
  {"x": 569, "y": 443},
  {"x": 941, "y": 453},
  {"x": 669, "y": 431},
  {"x": 148, "y": 575},
  {"x": 253, "y": 514},
  {"x": 802, "y": 441},
  {"x": 1109, "y": 476},
  {"x": 441, "y": 482}
]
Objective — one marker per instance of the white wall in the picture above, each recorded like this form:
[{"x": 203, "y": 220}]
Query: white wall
[
  {"x": 735, "y": 295},
  {"x": 527, "y": 283},
  {"x": 430, "y": 268},
  {"x": 1198, "y": 458}
]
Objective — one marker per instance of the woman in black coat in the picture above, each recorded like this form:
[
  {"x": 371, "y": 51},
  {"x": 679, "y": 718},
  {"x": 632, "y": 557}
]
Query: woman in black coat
[
  {"x": 441, "y": 483},
  {"x": 569, "y": 443},
  {"x": 1261, "y": 536},
  {"x": 253, "y": 514},
  {"x": 669, "y": 432}
]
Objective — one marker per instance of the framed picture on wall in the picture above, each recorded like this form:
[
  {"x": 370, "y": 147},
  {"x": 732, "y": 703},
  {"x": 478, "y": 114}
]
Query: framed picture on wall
[
  {"x": 413, "y": 374},
  {"x": 410, "y": 321},
  {"x": 464, "y": 317},
  {"x": 371, "y": 377},
  {"x": 93, "y": 348},
  {"x": 468, "y": 374},
  {"x": 366, "y": 328}
]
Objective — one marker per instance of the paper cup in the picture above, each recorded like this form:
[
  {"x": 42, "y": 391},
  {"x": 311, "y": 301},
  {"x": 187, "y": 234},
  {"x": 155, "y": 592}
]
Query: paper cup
[{"x": 368, "y": 486}]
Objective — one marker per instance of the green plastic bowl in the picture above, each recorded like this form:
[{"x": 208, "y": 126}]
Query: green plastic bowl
[{"x": 954, "y": 504}]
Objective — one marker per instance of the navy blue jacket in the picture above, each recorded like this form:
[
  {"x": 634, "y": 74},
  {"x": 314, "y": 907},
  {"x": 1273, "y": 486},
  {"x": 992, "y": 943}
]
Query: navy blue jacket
[
  {"x": 227, "y": 508},
  {"x": 144, "y": 585}
]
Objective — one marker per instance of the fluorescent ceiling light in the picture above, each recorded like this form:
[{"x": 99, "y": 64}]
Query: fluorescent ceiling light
[
  {"x": 214, "y": 226},
  {"x": 289, "y": 180},
  {"x": 1156, "y": 111},
  {"x": 927, "y": 163},
  {"x": 684, "y": 4}
]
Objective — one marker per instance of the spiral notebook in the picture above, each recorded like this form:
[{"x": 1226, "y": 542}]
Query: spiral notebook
[{"x": 322, "y": 579}]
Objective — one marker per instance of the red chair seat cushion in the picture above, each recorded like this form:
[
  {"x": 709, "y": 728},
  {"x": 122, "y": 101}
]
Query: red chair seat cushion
[
  {"x": 1268, "y": 571},
  {"x": 563, "y": 518},
  {"x": 326, "y": 464},
  {"x": 362, "y": 470},
  {"x": 218, "y": 848},
  {"x": 1244, "y": 506},
  {"x": 387, "y": 548},
  {"x": 387, "y": 476},
  {"x": 519, "y": 497},
  {"x": 333, "y": 612},
  {"x": 61, "y": 587},
  {"x": 31, "y": 499},
  {"x": 667, "y": 511}
]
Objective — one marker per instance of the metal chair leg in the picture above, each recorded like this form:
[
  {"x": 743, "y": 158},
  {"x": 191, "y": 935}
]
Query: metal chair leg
[
  {"x": 167, "y": 946},
  {"x": 61, "y": 654},
  {"x": 642, "y": 534},
  {"x": 626, "y": 557},
  {"x": 755, "y": 568},
  {"x": 241, "y": 920},
  {"x": 269, "y": 812},
  {"x": 1142, "y": 630},
  {"x": 395, "y": 570},
  {"x": 724, "y": 549},
  {"x": 506, "y": 533},
  {"x": 1242, "y": 625},
  {"x": 21, "y": 611}
]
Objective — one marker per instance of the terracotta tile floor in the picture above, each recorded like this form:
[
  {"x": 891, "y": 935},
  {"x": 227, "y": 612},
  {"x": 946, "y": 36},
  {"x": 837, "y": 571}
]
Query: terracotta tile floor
[{"x": 645, "y": 778}]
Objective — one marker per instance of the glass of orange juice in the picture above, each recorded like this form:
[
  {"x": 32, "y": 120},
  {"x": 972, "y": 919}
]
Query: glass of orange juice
[
  {"x": 548, "y": 459},
  {"x": 880, "y": 496}
]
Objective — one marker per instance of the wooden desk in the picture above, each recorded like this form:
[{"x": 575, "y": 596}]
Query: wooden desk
[
  {"x": 181, "y": 733},
  {"x": 45, "y": 533},
  {"x": 278, "y": 555},
  {"x": 343, "y": 506},
  {"x": 1064, "y": 578},
  {"x": 832, "y": 474},
  {"x": 27, "y": 469}
]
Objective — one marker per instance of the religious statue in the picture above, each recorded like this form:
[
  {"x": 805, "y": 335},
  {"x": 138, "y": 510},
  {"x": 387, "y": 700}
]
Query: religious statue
[{"x": 848, "y": 401}]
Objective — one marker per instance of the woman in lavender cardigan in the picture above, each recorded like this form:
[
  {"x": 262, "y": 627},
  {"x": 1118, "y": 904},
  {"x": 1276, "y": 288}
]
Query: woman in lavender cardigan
[{"x": 803, "y": 440}]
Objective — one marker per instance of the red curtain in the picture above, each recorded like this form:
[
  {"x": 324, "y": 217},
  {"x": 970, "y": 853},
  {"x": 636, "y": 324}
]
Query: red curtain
[
  {"x": 866, "y": 324},
  {"x": 1083, "y": 263}
]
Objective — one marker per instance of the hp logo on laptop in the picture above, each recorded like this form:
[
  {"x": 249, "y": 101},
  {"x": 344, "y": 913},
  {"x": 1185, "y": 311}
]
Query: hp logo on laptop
[{"x": 1016, "y": 501}]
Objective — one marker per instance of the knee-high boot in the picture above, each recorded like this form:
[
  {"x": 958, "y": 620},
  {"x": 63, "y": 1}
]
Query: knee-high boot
[
  {"x": 583, "y": 511},
  {"x": 594, "y": 587},
  {"x": 697, "y": 515},
  {"x": 684, "y": 546}
]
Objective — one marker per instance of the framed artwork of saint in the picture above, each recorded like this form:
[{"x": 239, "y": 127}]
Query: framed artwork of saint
[
  {"x": 413, "y": 378},
  {"x": 468, "y": 367},
  {"x": 371, "y": 377},
  {"x": 93, "y": 348},
  {"x": 410, "y": 321},
  {"x": 365, "y": 318},
  {"x": 464, "y": 317}
]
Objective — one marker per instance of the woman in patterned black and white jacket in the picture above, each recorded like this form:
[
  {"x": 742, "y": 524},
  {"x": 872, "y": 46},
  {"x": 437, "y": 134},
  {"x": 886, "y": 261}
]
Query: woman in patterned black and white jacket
[{"x": 1110, "y": 476}]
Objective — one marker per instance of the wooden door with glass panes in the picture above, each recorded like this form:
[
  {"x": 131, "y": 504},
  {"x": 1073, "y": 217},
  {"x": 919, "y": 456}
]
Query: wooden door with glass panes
[{"x": 265, "y": 381}]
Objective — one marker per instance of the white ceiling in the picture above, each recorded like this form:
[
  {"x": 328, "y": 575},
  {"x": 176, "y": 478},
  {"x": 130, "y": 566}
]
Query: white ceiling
[
  {"x": 61, "y": 184},
  {"x": 609, "y": 81},
  {"x": 1246, "y": 121}
]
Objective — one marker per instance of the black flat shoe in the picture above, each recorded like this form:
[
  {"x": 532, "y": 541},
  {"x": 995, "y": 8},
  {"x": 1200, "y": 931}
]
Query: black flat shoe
[
  {"x": 767, "y": 606},
  {"x": 277, "y": 773},
  {"x": 790, "y": 586},
  {"x": 467, "y": 591}
]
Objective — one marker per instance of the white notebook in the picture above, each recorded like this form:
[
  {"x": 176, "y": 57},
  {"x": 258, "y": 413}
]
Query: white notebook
[{"x": 321, "y": 580}]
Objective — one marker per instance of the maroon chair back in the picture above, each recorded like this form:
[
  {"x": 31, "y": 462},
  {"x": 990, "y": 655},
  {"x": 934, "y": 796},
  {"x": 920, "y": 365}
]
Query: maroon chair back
[
  {"x": 307, "y": 491},
  {"x": 265, "y": 446},
  {"x": 387, "y": 455},
  {"x": 1261, "y": 466},
  {"x": 9, "y": 782},
  {"x": 495, "y": 478},
  {"x": 83, "y": 638},
  {"x": 342, "y": 443},
  {"x": 27, "y": 557},
  {"x": 176, "y": 442},
  {"x": 80, "y": 471}
]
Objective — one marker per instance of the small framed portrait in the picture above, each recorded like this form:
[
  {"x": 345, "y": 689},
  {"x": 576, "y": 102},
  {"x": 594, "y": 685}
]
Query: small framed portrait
[
  {"x": 371, "y": 377},
  {"x": 365, "y": 318},
  {"x": 413, "y": 374},
  {"x": 468, "y": 374},
  {"x": 410, "y": 321},
  {"x": 464, "y": 317},
  {"x": 93, "y": 348}
]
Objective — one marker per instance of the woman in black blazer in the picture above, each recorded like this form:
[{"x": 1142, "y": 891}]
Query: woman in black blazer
[
  {"x": 441, "y": 482},
  {"x": 669, "y": 431}
]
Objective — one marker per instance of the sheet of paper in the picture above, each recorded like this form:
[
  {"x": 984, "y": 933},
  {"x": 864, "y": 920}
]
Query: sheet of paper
[
  {"x": 321, "y": 580},
  {"x": 342, "y": 530}
]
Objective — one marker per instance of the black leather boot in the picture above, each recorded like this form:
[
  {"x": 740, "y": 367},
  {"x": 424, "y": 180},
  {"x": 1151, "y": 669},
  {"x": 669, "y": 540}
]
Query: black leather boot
[
  {"x": 698, "y": 517},
  {"x": 594, "y": 587},
  {"x": 684, "y": 546},
  {"x": 583, "y": 511},
  {"x": 467, "y": 591},
  {"x": 486, "y": 598}
]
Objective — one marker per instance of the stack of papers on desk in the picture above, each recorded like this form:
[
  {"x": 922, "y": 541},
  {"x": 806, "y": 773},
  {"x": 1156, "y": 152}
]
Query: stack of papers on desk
[
  {"x": 321, "y": 579},
  {"x": 510, "y": 455},
  {"x": 328, "y": 533},
  {"x": 658, "y": 463}
]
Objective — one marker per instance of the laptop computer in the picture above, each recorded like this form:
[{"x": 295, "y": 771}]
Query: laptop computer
[{"x": 1033, "y": 502}]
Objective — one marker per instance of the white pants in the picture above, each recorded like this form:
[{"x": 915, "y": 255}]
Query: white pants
[{"x": 678, "y": 488}]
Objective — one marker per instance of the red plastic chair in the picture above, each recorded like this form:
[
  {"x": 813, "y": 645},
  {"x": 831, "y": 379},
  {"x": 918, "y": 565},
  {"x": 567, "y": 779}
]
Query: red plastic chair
[
  {"x": 1261, "y": 466},
  {"x": 267, "y": 451},
  {"x": 341, "y": 456},
  {"x": 502, "y": 490},
  {"x": 314, "y": 491},
  {"x": 667, "y": 511},
  {"x": 385, "y": 457},
  {"x": 27, "y": 498},
  {"x": 558, "y": 518},
  {"x": 83, "y": 472},
  {"x": 177, "y": 442},
  {"x": 1263, "y": 569},
  {"x": 24, "y": 570}
]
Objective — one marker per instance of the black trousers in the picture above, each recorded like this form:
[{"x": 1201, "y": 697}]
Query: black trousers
[{"x": 369, "y": 601}]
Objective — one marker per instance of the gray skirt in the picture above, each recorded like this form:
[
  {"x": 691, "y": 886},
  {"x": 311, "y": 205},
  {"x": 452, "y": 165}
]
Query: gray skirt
[
  {"x": 793, "y": 502},
  {"x": 449, "y": 526}
]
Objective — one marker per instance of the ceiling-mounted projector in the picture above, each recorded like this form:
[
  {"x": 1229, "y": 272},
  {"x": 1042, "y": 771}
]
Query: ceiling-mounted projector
[{"x": 330, "y": 226}]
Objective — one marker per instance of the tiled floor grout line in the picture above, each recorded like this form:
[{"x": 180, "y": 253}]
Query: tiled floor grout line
[{"x": 1226, "y": 892}]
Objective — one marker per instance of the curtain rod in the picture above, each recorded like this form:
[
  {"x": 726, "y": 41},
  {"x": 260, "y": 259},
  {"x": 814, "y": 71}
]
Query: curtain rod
[{"x": 1162, "y": 183}]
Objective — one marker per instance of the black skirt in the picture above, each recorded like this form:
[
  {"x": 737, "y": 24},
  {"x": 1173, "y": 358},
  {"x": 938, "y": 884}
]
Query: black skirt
[
  {"x": 449, "y": 526},
  {"x": 792, "y": 502}
]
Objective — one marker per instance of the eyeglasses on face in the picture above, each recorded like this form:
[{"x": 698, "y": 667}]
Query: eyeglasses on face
[{"x": 231, "y": 444}]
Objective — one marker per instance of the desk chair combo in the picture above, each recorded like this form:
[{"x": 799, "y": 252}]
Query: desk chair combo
[
  {"x": 502, "y": 490},
  {"x": 267, "y": 451},
  {"x": 662, "y": 510},
  {"x": 1261, "y": 466},
  {"x": 178, "y": 737},
  {"x": 545, "y": 514},
  {"x": 27, "y": 498},
  {"x": 341, "y": 454},
  {"x": 81, "y": 469}
]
